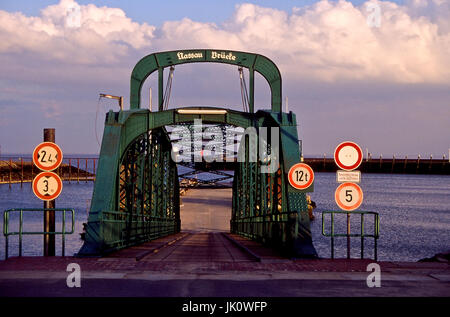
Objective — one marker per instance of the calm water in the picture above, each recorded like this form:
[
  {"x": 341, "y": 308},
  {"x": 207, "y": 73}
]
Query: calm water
[{"x": 414, "y": 212}]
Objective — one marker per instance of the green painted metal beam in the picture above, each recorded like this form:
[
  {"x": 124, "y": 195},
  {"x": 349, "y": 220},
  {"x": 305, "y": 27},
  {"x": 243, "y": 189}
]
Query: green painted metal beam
[{"x": 158, "y": 61}]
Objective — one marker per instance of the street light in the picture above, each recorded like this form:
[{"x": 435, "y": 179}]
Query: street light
[{"x": 119, "y": 98}]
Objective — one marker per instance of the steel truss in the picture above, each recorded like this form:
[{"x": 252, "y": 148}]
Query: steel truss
[{"x": 136, "y": 192}]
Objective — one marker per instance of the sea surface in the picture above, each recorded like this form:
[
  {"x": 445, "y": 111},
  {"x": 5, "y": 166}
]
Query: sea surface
[{"x": 414, "y": 216}]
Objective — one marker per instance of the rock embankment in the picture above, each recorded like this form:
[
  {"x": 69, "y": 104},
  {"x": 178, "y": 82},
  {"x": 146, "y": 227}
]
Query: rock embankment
[{"x": 443, "y": 257}]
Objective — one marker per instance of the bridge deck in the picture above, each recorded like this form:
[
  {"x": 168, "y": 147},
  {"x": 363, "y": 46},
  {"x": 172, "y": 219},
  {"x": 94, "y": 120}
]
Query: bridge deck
[
  {"x": 205, "y": 220},
  {"x": 201, "y": 247}
]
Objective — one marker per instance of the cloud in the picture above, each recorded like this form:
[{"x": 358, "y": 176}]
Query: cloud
[
  {"x": 54, "y": 65},
  {"x": 331, "y": 41},
  {"x": 327, "y": 41},
  {"x": 102, "y": 36}
]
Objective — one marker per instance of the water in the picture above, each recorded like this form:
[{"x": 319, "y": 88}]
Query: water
[
  {"x": 75, "y": 196},
  {"x": 414, "y": 216}
]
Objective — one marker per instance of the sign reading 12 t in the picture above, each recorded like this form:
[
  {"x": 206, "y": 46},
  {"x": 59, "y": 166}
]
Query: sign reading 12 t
[{"x": 301, "y": 176}]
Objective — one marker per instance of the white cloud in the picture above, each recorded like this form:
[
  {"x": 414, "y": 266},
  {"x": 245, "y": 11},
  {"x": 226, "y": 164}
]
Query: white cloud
[
  {"x": 104, "y": 35},
  {"x": 327, "y": 41},
  {"x": 330, "y": 41}
]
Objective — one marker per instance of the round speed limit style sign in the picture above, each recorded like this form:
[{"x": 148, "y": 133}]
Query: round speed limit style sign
[
  {"x": 301, "y": 176},
  {"x": 348, "y": 196},
  {"x": 348, "y": 156},
  {"x": 47, "y": 156},
  {"x": 47, "y": 186}
]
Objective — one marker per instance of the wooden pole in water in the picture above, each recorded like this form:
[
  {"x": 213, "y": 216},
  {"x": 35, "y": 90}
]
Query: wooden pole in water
[
  {"x": 10, "y": 173},
  {"x": 393, "y": 163},
  {"x": 49, "y": 215},
  {"x": 21, "y": 172},
  {"x": 32, "y": 165}
]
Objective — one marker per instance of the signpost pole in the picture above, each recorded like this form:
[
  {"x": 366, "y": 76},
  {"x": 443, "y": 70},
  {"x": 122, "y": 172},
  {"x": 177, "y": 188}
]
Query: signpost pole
[
  {"x": 49, "y": 215},
  {"x": 348, "y": 235}
]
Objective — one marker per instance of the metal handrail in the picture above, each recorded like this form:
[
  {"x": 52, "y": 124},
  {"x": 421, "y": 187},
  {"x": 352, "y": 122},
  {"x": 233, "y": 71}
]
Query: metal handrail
[
  {"x": 20, "y": 233},
  {"x": 375, "y": 235}
]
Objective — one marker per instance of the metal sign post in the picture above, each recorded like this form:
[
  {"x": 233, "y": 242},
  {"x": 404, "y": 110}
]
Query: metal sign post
[
  {"x": 348, "y": 196},
  {"x": 47, "y": 156},
  {"x": 49, "y": 215}
]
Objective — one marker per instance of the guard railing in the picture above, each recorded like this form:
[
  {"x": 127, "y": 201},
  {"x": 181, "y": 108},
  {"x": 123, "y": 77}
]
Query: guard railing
[
  {"x": 375, "y": 235},
  {"x": 21, "y": 232}
]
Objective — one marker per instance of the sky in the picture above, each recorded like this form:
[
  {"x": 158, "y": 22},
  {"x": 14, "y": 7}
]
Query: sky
[{"x": 375, "y": 72}]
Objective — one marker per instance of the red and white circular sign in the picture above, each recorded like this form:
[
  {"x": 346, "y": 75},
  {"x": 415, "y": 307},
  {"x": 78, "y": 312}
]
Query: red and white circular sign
[
  {"x": 47, "y": 186},
  {"x": 348, "y": 196},
  {"x": 348, "y": 155},
  {"x": 301, "y": 176},
  {"x": 47, "y": 156}
]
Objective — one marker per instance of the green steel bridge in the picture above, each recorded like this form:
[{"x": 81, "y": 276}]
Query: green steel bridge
[{"x": 136, "y": 195}]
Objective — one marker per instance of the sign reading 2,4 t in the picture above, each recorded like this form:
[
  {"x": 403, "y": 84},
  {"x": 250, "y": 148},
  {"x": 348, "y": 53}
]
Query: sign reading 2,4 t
[
  {"x": 47, "y": 156},
  {"x": 301, "y": 176}
]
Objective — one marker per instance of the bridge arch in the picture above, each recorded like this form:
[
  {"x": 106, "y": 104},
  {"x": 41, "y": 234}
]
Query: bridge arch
[{"x": 159, "y": 61}]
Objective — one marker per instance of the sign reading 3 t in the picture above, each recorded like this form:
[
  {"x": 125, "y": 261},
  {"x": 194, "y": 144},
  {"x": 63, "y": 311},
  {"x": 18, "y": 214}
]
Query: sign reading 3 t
[
  {"x": 47, "y": 156},
  {"x": 47, "y": 186},
  {"x": 301, "y": 176}
]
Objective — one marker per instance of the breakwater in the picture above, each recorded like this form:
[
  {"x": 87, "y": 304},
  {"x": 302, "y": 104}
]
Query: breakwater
[
  {"x": 387, "y": 165},
  {"x": 23, "y": 170}
]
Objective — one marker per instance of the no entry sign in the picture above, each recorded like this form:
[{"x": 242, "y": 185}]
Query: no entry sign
[
  {"x": 301, "y": 176},
  {"x": 348, "y": 196},
  {"x": 348, "y": 155},
  {"x": 47, "y": 186},
  {"x": 47, "y": 156}
]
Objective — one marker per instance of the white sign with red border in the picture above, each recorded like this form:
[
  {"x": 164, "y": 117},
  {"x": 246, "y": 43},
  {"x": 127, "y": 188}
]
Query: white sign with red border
[
  {"x": 301, "y": 176},
  {"x": 348, "y": 196},
  {"x": 47, "y": 156},
  {"x": 47, "y": 186},
  {"x": 348, "y": 155}
]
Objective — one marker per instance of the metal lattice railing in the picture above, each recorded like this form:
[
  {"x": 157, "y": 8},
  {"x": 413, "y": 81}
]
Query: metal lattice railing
[
  {"x": 375, "y": 235},
  {"x": 20, "y": 233}
]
